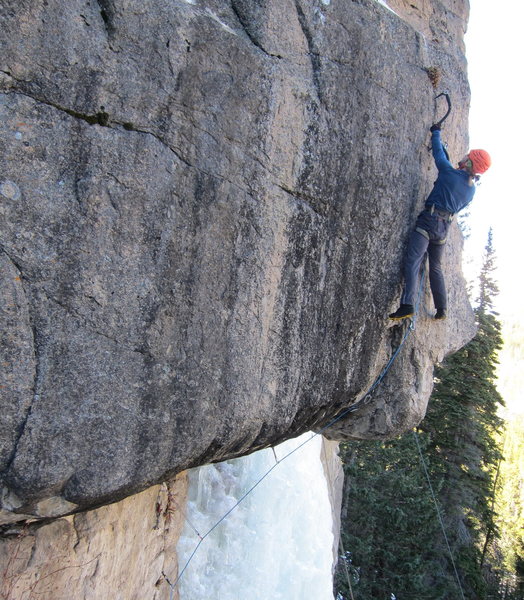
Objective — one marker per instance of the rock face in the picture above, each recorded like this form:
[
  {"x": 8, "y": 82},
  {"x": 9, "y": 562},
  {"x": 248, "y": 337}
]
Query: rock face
[
  {"x": 125, "y": 551},
  {"x": 334, "y": 474},
  {"x": 204, "y": 209}
]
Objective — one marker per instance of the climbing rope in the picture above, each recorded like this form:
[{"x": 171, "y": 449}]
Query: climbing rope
[
  {"x": 365, "y": 399},
  {"x": 356, "y": 406},
  {"x": 437, "y": 509}
]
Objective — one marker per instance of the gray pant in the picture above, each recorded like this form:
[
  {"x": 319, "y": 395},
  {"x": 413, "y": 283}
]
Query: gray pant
[{"x": 429, "y": 236}]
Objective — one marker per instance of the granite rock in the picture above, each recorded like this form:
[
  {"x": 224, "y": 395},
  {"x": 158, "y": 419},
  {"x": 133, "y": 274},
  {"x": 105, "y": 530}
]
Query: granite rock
[{"x": 204, "y": 209}]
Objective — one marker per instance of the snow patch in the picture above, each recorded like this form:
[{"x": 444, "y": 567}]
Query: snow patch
[
  {"x": 215, "y": 18},
  {"x": 384, "y": 4}
]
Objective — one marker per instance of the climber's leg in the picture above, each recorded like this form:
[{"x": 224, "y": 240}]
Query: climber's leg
[
  {"x": 436, "y": 277},
  {"x": 418, "y": 244}
]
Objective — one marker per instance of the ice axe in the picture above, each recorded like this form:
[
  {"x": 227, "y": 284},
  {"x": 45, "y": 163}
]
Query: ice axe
[
  {"x": 448, "y": 100},
  {"x": 438, "y": 124}
]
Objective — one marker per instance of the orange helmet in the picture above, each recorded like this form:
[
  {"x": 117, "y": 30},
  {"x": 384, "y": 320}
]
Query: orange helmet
[{"x": 480, "y": 160}]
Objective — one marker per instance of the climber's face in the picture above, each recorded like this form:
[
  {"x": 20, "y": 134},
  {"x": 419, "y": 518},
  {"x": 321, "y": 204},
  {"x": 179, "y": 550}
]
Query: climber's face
[{"x": 465, "y": 163}]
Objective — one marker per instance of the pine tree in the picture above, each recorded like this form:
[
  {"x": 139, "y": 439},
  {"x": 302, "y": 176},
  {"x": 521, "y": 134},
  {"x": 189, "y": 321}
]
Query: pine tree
[
  {"x": 488, "y": 288},
  {"x": 508, "y": 550},
  {"x": 389, "y": 523},
  {"x": 505, "y": 553}
]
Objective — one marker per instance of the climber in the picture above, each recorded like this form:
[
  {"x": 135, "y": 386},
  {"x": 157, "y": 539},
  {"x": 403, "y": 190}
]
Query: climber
[{"x": 452, "y": 191}]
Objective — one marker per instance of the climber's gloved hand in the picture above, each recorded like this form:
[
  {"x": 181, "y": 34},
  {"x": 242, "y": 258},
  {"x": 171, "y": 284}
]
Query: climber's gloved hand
[{"x": 435, "y": 127}]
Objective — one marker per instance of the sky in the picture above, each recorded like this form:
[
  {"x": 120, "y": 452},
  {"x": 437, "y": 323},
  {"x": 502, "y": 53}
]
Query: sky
[{"x": 495, "y": 51}]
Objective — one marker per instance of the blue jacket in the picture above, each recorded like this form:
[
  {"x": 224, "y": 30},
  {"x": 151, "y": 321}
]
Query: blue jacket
[{"x": 451, "y": 191}]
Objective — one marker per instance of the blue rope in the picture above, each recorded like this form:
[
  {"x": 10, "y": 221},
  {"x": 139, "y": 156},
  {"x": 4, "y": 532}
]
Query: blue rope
[
  {"x": 352, "y": 408},
  {"x": 378, "y": 380}
]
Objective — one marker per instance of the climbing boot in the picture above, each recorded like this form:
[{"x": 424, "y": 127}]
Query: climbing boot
[
  {"x": 440, "y": 314},
  {"x": 405, "y": 311}
]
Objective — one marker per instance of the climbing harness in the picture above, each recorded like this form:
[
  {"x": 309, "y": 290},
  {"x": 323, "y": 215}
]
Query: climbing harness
[
  {"x": 448, "y": 100},
  {"x": 443, "y": 214},
  {"x": 354, "y": 407}
]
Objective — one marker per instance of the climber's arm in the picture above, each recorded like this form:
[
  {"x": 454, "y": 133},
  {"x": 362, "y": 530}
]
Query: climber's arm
[{"x": 441, "y": 160}]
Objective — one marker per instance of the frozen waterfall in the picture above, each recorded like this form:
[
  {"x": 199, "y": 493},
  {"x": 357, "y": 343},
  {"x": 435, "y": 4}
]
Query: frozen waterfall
[{"x": 276, "y": 544}]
